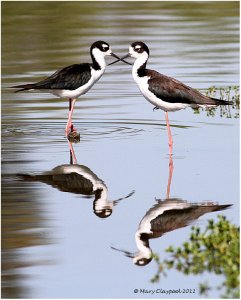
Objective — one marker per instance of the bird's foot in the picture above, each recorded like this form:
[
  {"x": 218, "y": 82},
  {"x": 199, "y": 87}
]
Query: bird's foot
[
  {"x": 74, "y": 137},
  {"x": 155, "y": 108}
]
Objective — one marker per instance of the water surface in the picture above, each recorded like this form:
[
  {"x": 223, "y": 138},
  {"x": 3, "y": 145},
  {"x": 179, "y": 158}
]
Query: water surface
[{"x": 53, "y": 243}]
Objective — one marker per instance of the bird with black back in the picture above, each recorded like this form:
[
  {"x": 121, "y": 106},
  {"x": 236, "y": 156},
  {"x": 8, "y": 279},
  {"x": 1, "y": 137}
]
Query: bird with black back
[
  {"x": 164, "y": 92},
  {"x": 74, "y": 80}
]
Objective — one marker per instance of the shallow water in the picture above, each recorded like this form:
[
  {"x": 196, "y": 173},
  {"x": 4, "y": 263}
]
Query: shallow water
[{"x": 53, "y": 243}]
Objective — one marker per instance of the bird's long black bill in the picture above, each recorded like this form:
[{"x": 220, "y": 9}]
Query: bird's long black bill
[
  {"x": 122, "y": 59},
  {"x": 114, "y": 55}
]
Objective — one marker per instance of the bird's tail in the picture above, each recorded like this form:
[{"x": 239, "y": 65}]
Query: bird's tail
[
  {"x": 221, "y": 102},
  {"x": 27, "y": 177},
  {"x": 46, "y": 178},
  {"x": 223, "y": 206},
  {"x": 23, "y": 87}
]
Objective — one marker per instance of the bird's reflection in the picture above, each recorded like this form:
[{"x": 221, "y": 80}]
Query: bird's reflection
[
  {"x": 79, "y": 179},
  {"x": 166, "y": 215}
]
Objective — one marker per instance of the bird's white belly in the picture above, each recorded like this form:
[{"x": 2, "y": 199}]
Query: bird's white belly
[
  {"x": 95, "y": 76},
  {"x": 142, "y": 83}
]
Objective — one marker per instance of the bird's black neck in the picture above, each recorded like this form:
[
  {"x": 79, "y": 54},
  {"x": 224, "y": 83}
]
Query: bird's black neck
[
  {"x": 98, "y": 194},
  {"x": 142, "y": 70},
  {"x": 144, "y": 237}
]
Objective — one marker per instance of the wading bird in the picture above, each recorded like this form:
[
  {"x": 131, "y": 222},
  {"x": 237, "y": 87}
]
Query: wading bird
[
  {"x": 78, "y": 179},
  {"x": 75, "y": 80},
  {"x": 167, "y": 215},
  {"x": 162, "y": 91}
]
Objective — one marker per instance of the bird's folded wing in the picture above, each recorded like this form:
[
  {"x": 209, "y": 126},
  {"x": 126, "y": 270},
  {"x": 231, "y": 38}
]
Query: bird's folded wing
[
  {"x": 68, "y": 78},
  {"x": 173, "y": 91}
]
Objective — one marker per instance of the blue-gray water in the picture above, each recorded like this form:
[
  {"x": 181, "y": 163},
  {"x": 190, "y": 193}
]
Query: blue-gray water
[{"x": 53, "y": 245}]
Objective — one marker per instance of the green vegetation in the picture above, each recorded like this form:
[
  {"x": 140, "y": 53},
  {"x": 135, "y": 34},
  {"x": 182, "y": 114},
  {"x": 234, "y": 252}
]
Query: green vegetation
[
  {"x": 230, "y": 93},
  {"x": 215, "y": 250}
]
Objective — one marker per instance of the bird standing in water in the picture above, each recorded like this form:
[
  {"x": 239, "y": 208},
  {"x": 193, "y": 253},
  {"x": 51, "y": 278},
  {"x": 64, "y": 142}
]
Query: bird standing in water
[
  {"x": 75, "y": 80},
  {"x": 162, "y": 91}
]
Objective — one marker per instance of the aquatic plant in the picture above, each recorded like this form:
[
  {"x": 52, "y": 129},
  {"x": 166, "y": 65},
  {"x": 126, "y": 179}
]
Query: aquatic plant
[
  {"x": 214, "y": 250},
  {"x": 230, "y": 93}
]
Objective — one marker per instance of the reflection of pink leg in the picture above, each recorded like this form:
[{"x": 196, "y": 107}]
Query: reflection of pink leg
[
  {"x": 73, "y": 159},
  {"x": 170, "y": 141},
  {"x": 170, "y": 176},
  {"x": 69, "y": 126}
]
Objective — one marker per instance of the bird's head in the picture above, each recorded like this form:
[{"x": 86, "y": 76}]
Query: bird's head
[
  {"x": 138, "y": 49},
  {"x": 139, "y": 258},
  {"x": 102, "y": 49}
]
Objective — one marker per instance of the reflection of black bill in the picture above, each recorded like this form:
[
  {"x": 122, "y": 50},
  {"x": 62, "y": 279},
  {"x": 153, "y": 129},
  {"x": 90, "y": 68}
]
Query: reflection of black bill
[
  {"x": 126, "y": 253},
  {"x": 121, "y": 59},
  {"x": 115, "y": 202}
]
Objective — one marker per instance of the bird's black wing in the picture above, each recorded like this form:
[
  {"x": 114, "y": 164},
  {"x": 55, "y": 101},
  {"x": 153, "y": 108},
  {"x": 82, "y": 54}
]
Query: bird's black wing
[
  {"x": 68, "y": 78},
  {"x": 177, "y": 218},
  {"x": 170, "y": 220},
  {"x": 73, "y": 182},
  {"x": 173, "y": 91}
]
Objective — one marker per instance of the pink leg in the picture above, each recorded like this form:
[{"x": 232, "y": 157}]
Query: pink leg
[
  {"x": 69, "y": 126},
  {"x": 73, "y": 159},
  {"x": 170, "y": 177},
  {"x": 170, "y": 141}
]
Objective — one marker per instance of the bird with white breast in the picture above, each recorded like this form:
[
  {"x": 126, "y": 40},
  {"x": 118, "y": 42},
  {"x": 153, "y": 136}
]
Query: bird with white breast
[
  {"x": 162, "y": 91},
  {"x": 74, "y": 80}
]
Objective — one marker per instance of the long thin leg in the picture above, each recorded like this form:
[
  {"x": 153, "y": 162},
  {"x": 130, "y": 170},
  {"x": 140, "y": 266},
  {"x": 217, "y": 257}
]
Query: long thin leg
[
  {"x": 170, "y": 141},
  {"x": 169, "y": 177},
  {"x": 69, "y": 122},
  {"x": 73, "y": 159}
]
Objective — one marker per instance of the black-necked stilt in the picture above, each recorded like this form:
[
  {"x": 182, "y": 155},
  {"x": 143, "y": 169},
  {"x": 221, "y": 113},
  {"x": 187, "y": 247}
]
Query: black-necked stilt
[
  {"x": 162, "y": 91},
  {"x": 75, "y": 80},
  {"x": 78, "y": 179},
  {"x": 166, "y": 216}
]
